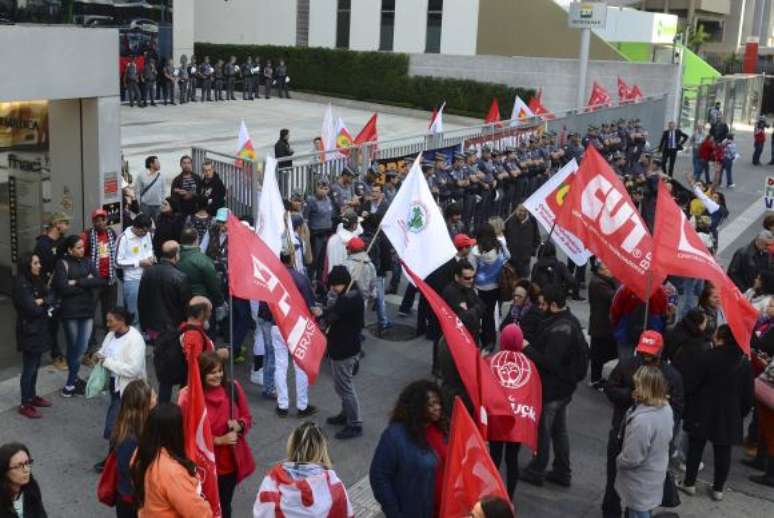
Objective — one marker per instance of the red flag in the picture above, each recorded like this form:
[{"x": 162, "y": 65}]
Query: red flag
[
  {"x": 599, "y": 211},
  {"x": 255, "y": 273},
  {"x": 520, "y": 379},
  {"x": 368, "y": 133},
  {"x": 493, "y": 116},
  {"x": 484, "y": 391},
  {"x": 536, "y": 105},
  {"x": 679, "y": 251},
  {"x": 469, "y": 473},
  {"x": 623, "y": 90},
  {"x": 635, "y": 94},
  {"x": 199, "y": 444},
  {"x": 599, "y": 97}
]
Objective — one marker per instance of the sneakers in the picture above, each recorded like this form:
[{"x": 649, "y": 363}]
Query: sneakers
[
  {"x": 29, "y": 411},
  {"x": 59, "y": 363},
  {"x": 349, "y": 432},
  {"x": 80, "y": 387},
  {"x": 337, "y": 420},
  {"x": 40, "y": 402},
  {"x": 67, "y": 392},
  {"x": 310, "y": 410},
  {"x": 281, "y": 412},
  {"x": 256, "y": 377},
  {"x": 717, "y": 496},
  {"x": 688, "y": 490},
  {"x": 730, "y": 187}
]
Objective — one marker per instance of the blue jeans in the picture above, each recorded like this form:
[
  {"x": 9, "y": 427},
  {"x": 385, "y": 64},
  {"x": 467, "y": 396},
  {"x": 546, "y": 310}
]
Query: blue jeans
[
  {"x": 264, "y": 327},
  {"x": 728, "y": 165},
  {"x": 29, "y": 376},
  {"x": 112, "y": 413},
  {"x": 631, "y": 513},
  {"x": 381, "y": 307},
  {"x": 700, "y": 166},
  {"x": 131, "y": 291},
  {"x": 77, "y": 332}
]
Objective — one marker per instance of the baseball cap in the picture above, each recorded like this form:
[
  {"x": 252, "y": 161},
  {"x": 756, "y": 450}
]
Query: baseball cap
[
  {"x": 98, "y": 213},
  {"x": 650, "y": 343},
  {"x": 463, "y": 241},
  {"x": 356, "y": 245},
  {"x": 222, "y": 215},
  {"x": 58, "y": 216}
]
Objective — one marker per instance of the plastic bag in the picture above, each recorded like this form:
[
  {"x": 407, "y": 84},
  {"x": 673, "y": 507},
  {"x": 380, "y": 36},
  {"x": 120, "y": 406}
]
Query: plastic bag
[{"x": 98, "y": 380}]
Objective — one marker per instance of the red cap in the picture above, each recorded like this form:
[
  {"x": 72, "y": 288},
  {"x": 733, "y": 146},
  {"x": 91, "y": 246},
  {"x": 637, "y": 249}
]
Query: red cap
[
  {"x": 96, "y": 213},
  {"x": 463, "y": 241},
  {"x": 650, "y": 343},
  {"x": 356, "y": 245}
]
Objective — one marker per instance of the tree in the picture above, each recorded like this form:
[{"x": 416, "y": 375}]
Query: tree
[{"x": 697, "y": 38}]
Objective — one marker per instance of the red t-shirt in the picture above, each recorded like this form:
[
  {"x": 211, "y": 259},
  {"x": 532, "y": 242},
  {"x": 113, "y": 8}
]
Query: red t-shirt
[
  {"x": 437, "y": 441},
  {"x": 103, "y": 252}
]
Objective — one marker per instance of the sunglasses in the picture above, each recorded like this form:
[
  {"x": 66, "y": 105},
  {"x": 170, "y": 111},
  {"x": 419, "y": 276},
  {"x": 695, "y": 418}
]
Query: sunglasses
[{"x": 466, "y": 278}]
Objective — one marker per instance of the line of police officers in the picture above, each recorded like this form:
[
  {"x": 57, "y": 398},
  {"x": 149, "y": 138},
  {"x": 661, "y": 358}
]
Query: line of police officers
[{"x": 152, "y": 84}]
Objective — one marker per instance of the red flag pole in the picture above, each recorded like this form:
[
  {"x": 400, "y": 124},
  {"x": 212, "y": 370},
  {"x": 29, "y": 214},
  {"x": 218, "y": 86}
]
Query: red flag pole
[{"x": 480, "y": 410}]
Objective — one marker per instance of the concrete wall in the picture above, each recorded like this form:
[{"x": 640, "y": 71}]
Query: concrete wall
[
  {"x": 242, "y": 21},
  {"x": 322, "y": 23},
  {"x": 83, "y": 62},
  {"x": 557, "y": 77},
  {"x": 365, "y": 24},
  {"x": 183, "y": 28},
  {"x": 410, "y": 26},
  {"x": 459, "y": 27}
]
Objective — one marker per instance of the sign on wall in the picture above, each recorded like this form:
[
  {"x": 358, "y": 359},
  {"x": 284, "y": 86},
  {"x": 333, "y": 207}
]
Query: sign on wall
[{"x": 587, "y": 15}]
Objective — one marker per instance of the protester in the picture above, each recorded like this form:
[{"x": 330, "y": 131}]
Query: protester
[
  {"x": 185, "y": 186},
  {"x": 318, "y": 212},
  {"x": 165, "y": 479},
  {"x": 627, "y": 316},
  {"x": 761, "y": 291},
  {"x": 199, "y": 269},
  {"x": 76, "y": 280},
  {"x": 229, "y": 419},
  {"x": 548, "y": 270},
  {"x": 212, "y": 188},
  {"x": 462, "y": 298},
  {"x": 150, "y": 186},
  {"x": 19, "y": 492},
  {"x": 766, "y": 435},
  {"x": 361, "y": 269},
  {"x": 134, "y": 254},
  {"x": 32, "y": 303},
  {"x": 523, "y": 238},
  {"x": 602, "y": 288},
  {"x": 407, "y": 468},
  {"x": 644, "y": 458},
  {"x": 336, "y": 250},
  {"x": 749, "y": 260},
  {"x": 490, "y": 256},
  {"x": 169, "y": 225},
  {"x": 164, "y": 293},
  {"x": 308, "y": 465},
  {"x": 492, "y": 507}
]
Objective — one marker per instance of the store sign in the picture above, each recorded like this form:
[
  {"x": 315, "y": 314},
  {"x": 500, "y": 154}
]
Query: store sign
[
  {"x": 587, "y": 15},
  {"x": 24, "y": 125}
]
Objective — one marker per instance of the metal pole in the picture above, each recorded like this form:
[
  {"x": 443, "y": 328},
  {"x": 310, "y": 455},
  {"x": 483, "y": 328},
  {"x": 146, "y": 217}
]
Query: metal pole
[
  {"x": 583, "y": 59},
  {"x": 231, "y": 354}
]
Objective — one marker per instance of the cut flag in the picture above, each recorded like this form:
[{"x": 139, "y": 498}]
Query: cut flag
[
  {"x": 369, "y": 132},
  {"x": 598, "y": 98},
  {"x": 246, "y": 149},
  {"x": 520, "y": 111},
  {"x": 255, "y": 273},
  {"x": 680, "y": 251},
  {"x": 414, "y": 224},
  {"x": 493, "y": 115},
  {"x": 599, "y": 211},
  {"x": 328, "y": 134},
  {"x": 536, "y": 105},
  {"x": 469, "y": 473},
  {"x": 272, "y": 220},
  {"x": 436, "y": 119},
  {"x": 199, "y": 443},
  {"x": 343, "y": 137}
]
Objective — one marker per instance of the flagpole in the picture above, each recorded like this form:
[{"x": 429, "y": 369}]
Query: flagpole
[
  {"x": 647, "y": 301},
  {"x": 231, "y": 355},
  {"x": 480, "y": 410}
]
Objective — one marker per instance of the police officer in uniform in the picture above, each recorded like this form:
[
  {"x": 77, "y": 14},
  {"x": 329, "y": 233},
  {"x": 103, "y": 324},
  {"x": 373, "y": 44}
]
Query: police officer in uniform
[
  {"x": 205, "y": 75},
  {"x": 247, "y": 79},
  {"x": 149, "y": 76},
  {"x": 169, "y": 82},
  {"x": 573, "y": 148},
  {"x": 182, "y": 79},
  {"x": 230, "y": 72},
  {"x": 131, "y": 79},
  {"x": 458, "y": 179},
  {"x": 513, "y": 186},
  {"x": 218, "y": 75},
  {"x": 268, "y": 77},
  {"x": 473, "y": 189},
  {"x": 488, "y": 182},
  {"x": 256, "y": 93},
  {"x": 193, "y": 78},
  {"x": 442, "y": 179},
  {"x": 391, "y": 185},
  {"x": 281, "y": 74},
  {"x": 343, "y": 192}
]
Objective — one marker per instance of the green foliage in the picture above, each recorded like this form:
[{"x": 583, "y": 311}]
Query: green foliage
[
  {"x": 697, "y": 38},
  {"x": 371, "y": 76}
]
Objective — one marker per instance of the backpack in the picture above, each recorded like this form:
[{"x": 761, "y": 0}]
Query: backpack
[
  {"x": 579, "y": 356},
  {"x": 169, "y": 358}
]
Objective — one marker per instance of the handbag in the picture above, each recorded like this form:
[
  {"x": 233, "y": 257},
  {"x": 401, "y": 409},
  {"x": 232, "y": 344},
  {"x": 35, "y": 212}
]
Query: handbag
[
  {"x": 764, "y": 392},
  {"x": 107, "y": 487},
  {"x": 97, "y": 382},
  {"x": 671, "y": 496}
]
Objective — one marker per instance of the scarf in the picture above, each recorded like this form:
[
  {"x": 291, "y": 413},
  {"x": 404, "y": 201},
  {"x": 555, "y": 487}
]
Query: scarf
[{"x": 93, "y": 244}]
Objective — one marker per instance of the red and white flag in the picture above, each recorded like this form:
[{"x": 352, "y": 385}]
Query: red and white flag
[
  {"x": 536, "y": 105},
  {"x": 469, "y": 473},
  {"x": 493, "y": 115},
  {"x": 599, "y": 97},
  {"x": 599, "y": 212},
  {"x": 255, "y": 273},
  {"x": 199, "y": 443},
  {"x": 436, "y": 119},
  {"x": 680, "y": 251},
  {"x": 520, "y": 111}
]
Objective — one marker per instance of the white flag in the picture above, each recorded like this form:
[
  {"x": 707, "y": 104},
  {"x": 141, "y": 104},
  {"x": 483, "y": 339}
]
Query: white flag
[
  {"x": 328, "y": 133},
  {"x": 520, "y": 111},
  {"x": 271, "y": 222},
  {"x": 415, "y": 226},
  {"x": 436, "y": 122},
  {"x": 546, "y": 201}
]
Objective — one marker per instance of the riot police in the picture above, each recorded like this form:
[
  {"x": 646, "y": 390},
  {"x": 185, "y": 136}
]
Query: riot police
[
  {"x": 247, "y": 79},
  {"x": 149, "y": 77}
]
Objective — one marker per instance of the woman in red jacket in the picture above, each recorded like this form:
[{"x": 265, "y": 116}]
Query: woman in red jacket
[{"x": 229, "y": 422}]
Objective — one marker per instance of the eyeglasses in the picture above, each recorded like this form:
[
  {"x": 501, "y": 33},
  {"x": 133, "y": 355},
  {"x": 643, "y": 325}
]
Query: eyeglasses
[{"x": 23, "y": 465}]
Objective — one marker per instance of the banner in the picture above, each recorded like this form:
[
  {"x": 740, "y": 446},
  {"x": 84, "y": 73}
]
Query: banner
[
  {"x": 544, "y": 205},
  {"x": 24, "y": 125}
]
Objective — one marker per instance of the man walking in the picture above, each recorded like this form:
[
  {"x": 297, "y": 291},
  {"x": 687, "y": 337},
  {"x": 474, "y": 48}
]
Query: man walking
[
  {"x": 759, "y": 139},
  {"x": 672, "y": 141},
  {"x": 150, "y": 188},
  {"x": 134, "y": 254}
]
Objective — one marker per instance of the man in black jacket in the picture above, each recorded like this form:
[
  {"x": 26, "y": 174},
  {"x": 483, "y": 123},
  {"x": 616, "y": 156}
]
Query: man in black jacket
[
  {"x": 346, "y": 319},
  {"x": 523, "y": 239},
  {"x": 603, "y": 345},
  {"x": 462, "y": 298},
  {"x": 185, "y": 186},
  {"x": 749, "y": 260},
  {"x": 619, "y": 390},
  {"x": 164, "y": 293},
  {"x": 212, "y": 188},
  {"x": 672, "y": 140},
  {"x": 282, "y": 148},
  {"x": 553, "y": 353}
]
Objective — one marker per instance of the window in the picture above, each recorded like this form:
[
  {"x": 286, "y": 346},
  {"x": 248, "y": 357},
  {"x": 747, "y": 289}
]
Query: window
[
  {"x": 714, "y": 28},
  {"x": 342, "y": 24},
  {"x": 387, "y": 33},
  {"x": 434, "y": 17}
]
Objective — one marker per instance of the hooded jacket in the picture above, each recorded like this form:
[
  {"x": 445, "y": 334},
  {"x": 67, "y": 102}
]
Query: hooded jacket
[
  {"x": 201, "y": 273},
  {"x": 363, "y": 272},
  {"x": 336, "y": 251}
]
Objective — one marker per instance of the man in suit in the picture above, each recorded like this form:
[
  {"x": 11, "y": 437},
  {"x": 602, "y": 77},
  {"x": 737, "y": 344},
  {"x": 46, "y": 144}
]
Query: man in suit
[{"x": 672, "y": 141}]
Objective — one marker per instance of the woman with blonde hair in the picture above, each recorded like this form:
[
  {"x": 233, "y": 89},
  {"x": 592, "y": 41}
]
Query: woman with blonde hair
[
  {"x": 305, "y": 485},
  {"x": 647, "y": 432}
]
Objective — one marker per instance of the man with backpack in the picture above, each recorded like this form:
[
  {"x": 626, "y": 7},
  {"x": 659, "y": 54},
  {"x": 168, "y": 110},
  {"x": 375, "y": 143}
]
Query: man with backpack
[{"x": 561, "y": 355}]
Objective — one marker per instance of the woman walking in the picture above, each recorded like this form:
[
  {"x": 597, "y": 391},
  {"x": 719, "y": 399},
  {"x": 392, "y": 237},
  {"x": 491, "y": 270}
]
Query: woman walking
[
  {"x": 19, "y": 491},
  {"x": 33, "y": 315}
]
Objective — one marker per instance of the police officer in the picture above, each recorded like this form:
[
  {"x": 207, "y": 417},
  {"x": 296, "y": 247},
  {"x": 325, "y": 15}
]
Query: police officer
[
  {"x": 256, "y": 93},
  {"x": 391, "y": 185},
  {"x": 488, "y": 184},
  {"x": 281, "y": 75},
  {"x": 573, "y": 148},
  {"x": 428, "y": 170},
  {"x": 442, "y": 179},
  {"x": 268, "y": 77},
  {"x": 169, "y": 82},
  {"x": 131, "y": 79},
  {"x": 218, "y": 75},
  {"x": 205, "y": 75},
  {"x": 458, "y": 179},
  {"x": 473, "y": 189},
  {"x": 230, "y": 72},
  {"x": 149, "y": 76},
  {"x": 513, "y": 184},
  {"x": 619, "y": 163},
  {"x": 193, "y": 78},
  {"x": 247, "y": 79},
  {"x": 343, "y": 192},
  {"x": 182, "y": 79}
]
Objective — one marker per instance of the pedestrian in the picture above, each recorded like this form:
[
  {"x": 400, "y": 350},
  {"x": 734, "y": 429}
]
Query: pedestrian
[
  {"x": 282, "y": 149},
  {"x": 463, "y": 299},
  {"x": 406, "y": 471},
  {"x": 134, "y": 254},
  {"x": 672, "y": 141},
  {"x": 229, "y": 419},
  {"x": 212, "y": 188},
  {"x": 336, "y": 249},
  {"x": 706, "y": 156},
  {"x": 644, "y": 458},
  {"x": 759, "y": 139},
  {"x": 723, "y": 392},
  {"x": 558, "y": 353},
  {"x": 709, "y": 304},
  {"x": 200, "y": 271},
  {"x": 523, "y": 239},
  {"x": 150, "y": 187},
  {"x": 346, "y": 321},
  {"x": 548, "y": 270},
  {"x": 361, "y": 269},
  {"x": 32, "y": 303},
  {"x": 309, "y": 465},
  {"x": 729, "y": 155},
  {"x": 492, "y": 507},
  {"x": 282, "y": 79},
  {"x": 165, "y": 480},
  {"x": 76, "y": 281},
  {"x": 123, "y": 355},
  {"x": 602, "y": 288},
  {"x": 185, "y": 186},
  {"x": 164, "y": 294},
  {"x": 697, "y": 139},
  {"x": 751, "y": 259},
  {"x": 20, "y": 496},
  {"x": 169, "y": 225},
  {"x": 524, "y": 309},
  {"x": 761, "y": 292},
  {"x": 720, "y": 129},
  {"x": 136, "y": 403}
]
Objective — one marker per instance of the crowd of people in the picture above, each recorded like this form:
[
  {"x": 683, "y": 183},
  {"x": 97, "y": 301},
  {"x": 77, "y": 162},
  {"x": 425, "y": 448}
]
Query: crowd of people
[
  {"x": 680, "y": 383},
  {"x": 151, "y": 80}
]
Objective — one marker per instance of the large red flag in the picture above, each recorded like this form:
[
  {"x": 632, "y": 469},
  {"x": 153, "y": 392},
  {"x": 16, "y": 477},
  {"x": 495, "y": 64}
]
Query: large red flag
[
  {"x": 493, "y": 115},
  {"x": 599, "y": 97},
  {"x": 255, "y": 273},
  {"x": 199, "y": 443},
  {"x": 679, "y": 251},
  {"x": 368, "y": 133},
  {"x": 469, "y": 473},
  {"x": 635, "y": 94},
  {"x": 599, "y": 211},
  {"x": 484, "y": 391},
  {"x": 624, "y": 92}
]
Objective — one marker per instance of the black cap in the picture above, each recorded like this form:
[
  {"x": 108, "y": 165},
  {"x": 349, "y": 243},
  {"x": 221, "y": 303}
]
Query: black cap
[{"x": 339, "y": 276}]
